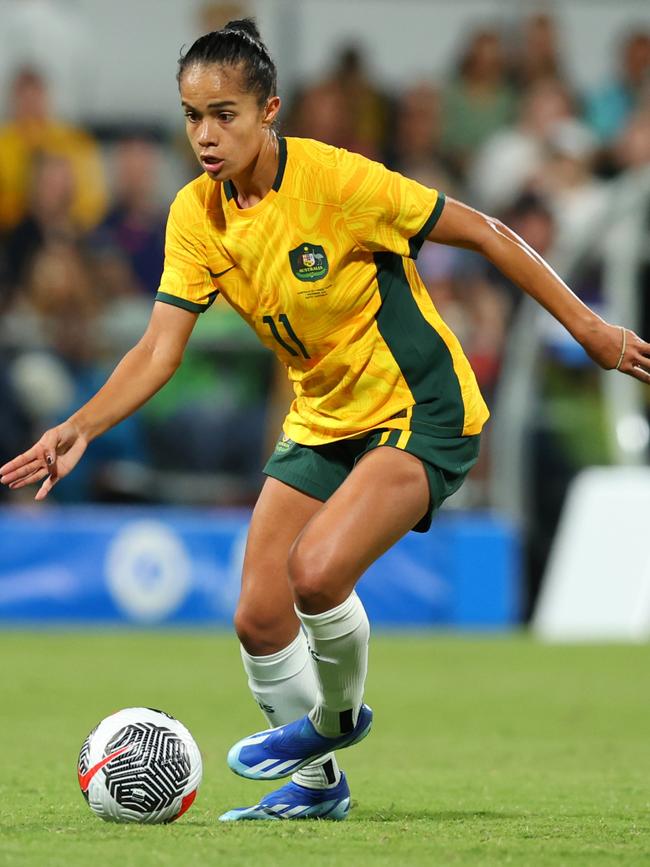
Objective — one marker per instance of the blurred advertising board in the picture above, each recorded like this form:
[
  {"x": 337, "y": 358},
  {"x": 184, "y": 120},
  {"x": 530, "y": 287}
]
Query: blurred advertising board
[
  {"x": 181, "y": 567},
  {"x": 597, "y": 581}
]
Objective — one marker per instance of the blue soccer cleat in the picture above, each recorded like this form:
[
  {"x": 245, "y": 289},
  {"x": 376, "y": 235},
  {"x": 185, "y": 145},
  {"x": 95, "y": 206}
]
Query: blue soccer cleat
[
  {"x": 293, "y": 801},
  {"x": 279, "y": 752}
]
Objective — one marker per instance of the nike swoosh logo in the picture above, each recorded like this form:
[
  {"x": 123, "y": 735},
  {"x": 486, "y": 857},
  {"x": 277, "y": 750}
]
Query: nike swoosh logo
[
  {"x": 85, "y": 779},
  {"x": 221, "y": 273}
]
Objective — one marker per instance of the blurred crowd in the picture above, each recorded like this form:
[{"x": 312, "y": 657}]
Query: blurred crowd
[{"x": 82, "y": 221}]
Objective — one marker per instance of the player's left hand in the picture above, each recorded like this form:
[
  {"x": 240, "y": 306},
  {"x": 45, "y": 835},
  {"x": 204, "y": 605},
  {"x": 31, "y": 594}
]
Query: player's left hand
[{"x": 616, "y": 348}]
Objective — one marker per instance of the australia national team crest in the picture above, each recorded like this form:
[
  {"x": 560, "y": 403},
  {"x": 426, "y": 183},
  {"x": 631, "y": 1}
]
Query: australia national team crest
[{"x": 309, "y": 262}]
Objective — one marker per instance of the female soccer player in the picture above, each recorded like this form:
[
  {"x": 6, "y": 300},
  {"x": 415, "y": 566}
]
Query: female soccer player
[{"x": 314, "y": 247}]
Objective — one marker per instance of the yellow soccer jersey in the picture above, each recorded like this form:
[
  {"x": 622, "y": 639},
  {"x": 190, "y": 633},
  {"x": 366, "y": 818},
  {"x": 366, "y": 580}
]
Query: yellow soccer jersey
[{"x": 322, "y": 269}]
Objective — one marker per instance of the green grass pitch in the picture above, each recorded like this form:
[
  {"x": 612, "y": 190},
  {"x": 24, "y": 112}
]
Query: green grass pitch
[{"x": 484, "y": 751}]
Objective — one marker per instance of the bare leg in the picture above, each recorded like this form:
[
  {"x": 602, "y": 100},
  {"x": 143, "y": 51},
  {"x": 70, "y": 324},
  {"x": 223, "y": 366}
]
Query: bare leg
[
  {"x": 265, "y": 620},
  {"x": 384, "y": 497},
  {"x": 281, "y": 673}
]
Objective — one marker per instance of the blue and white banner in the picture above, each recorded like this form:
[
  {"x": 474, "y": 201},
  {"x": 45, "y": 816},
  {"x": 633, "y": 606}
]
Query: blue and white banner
[{"x": 153, "y": 566}]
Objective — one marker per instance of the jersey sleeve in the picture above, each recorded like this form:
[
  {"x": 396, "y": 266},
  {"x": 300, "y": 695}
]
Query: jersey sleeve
[
  {"x": 186, "y": 280},
  {"x": 383, "y": 210}
]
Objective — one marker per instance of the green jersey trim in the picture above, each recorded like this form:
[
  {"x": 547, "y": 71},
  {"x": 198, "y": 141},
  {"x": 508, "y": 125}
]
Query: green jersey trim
[
  {"x": 419, "y": 351},
  {"x": 415, "y": 243},
  {"x": 229, "y": 187},
  {"x": 192, "y": 306},
  {"x": 282, "y": 162}
]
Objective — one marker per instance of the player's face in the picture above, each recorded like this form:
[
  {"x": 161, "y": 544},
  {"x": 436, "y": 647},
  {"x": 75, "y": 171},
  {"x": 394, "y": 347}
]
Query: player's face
[{"x": 225, "y": 124}]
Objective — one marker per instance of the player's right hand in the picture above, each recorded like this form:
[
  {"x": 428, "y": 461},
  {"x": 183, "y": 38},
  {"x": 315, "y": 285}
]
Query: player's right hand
[{"x": 56, "y": 453}]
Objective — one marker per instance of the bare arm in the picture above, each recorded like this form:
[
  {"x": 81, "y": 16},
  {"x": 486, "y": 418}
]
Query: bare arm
[
  {"x": 140, "y": 374},
  {"x": 610, "y": 346}
]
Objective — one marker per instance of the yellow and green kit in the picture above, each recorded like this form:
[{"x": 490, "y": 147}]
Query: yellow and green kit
[{"x": 323, "y": 270}]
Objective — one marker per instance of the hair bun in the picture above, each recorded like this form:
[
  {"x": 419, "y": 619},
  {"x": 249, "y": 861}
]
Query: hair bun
[{"x": 245, "y": 25}]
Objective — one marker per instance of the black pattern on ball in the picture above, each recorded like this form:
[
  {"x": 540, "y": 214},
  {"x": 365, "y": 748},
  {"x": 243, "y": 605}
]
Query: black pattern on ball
[
  {"x": 84, "y": 757},
  {"x": 84, "y": 754},
  {"x": 152, "y": 772},
  {"x": 163, "y": 712}
]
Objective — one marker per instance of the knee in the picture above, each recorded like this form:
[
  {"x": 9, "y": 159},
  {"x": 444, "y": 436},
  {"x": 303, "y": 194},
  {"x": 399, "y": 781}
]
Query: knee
[
  {"x": 261, "y": 632},
  {"x": 313, "y": 577}
]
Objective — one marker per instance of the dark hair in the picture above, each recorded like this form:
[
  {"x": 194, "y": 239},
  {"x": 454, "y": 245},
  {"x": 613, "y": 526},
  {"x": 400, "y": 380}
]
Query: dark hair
[{"x": 239, "y": 42}]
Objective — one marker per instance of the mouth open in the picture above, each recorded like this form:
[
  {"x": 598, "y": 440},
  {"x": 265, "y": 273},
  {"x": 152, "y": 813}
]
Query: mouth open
[{"x": 212, "y": 165}]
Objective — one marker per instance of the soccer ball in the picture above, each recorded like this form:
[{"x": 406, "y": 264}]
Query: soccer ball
[{"x": 139, "y": 765}]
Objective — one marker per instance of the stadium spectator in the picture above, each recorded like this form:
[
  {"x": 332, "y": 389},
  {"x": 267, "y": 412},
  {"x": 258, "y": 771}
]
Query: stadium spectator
[
  {"x": 532, "y": 219},
  {"x": 49, "y": 218},
  {"x": 217, "y": 409},
  {"x": 366, "y": 104},
  {"x": 60, "y": 315},
  {"x": 510, "y": 159},
  {"x": 346, "y": 109},
  {"x": 416, "y": 142},
  {"x": 332, "y": 122},
  {"x": 632, "y": 145},
  {"x": 60, "y": 292},
  {"x": 478, "y": 100},
  {"x": 577, "y": 198},
  {"x": 608, "y": 108},
  {"x": 214, "y": 14},
  {"x": 32, "y": 131},
  {"x": 134, "y": 228},
  {"x": 536, "y": 58},
  {"x": 56, "y": 38}
]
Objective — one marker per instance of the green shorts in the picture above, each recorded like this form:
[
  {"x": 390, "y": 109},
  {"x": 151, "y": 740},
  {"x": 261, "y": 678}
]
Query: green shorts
[{"x": 319, "y": 470}]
